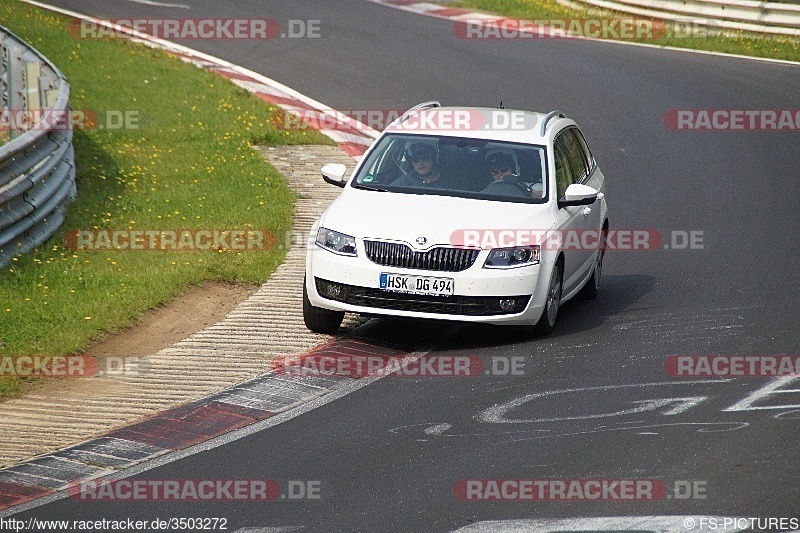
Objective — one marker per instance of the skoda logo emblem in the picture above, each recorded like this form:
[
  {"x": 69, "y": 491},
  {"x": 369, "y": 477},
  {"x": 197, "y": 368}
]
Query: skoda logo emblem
[{"x": 421, "y": 241}]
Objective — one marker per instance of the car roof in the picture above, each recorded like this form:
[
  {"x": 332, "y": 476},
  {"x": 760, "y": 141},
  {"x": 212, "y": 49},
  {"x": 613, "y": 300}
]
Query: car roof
[{"x": 512, "y": 125}]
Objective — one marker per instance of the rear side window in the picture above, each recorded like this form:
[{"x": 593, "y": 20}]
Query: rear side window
[
  {"x": 576, "y": 154},
  {"x": 563, "y": 169},
  {"x": 584, "y": 147}
]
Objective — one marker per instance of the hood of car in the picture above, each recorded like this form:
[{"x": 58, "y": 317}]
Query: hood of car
[{"x": 423, "y": 220}]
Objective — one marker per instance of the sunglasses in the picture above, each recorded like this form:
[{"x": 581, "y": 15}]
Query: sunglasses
[{"x": 501, "y": 170}]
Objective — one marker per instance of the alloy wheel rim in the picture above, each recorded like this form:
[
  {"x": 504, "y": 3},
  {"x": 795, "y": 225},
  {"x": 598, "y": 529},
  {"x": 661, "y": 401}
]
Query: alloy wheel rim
[
  {"x": 598, "y": 268},
  {"x": 553, "y": 297}
]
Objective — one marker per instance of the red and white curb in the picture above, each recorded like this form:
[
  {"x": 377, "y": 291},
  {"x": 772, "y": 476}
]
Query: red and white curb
[
  {"x": 473, "y": 18},
  {"x": 184, "y": 426},
  {"x": 352, "y": 136},
  {"x": 438, "y": 11},
  {"x": 478, "y": 20}
]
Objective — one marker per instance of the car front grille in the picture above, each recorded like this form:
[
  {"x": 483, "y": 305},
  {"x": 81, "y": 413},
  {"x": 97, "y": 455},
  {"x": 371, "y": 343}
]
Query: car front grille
[
  {"x": 401, "y": 255},
  {"x": 420, "y": 303}
]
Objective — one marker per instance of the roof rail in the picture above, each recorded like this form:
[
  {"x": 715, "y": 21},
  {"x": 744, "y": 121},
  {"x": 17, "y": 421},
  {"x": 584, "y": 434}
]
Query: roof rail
[
  {"x": 419, "y": 107},
  {"x": 550, "y": 116}
]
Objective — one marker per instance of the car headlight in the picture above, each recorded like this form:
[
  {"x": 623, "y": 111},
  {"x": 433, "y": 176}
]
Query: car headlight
[
  {"x": 336, "y": 242},
  {"x": 512, "y": 257}
]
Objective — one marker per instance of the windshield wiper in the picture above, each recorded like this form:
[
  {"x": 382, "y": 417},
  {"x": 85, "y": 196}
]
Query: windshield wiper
[{"x": 367, "y": 188}]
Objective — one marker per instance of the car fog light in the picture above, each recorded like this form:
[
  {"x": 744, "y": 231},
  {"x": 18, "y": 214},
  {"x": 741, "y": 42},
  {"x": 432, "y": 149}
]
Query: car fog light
[
  {"x": 333, "y": 290},
  {"x": 508, "y": 305}
]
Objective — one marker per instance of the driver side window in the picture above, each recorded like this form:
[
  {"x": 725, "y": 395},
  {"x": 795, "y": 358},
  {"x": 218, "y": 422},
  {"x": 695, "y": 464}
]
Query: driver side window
[{"x": 388, "y": 166}]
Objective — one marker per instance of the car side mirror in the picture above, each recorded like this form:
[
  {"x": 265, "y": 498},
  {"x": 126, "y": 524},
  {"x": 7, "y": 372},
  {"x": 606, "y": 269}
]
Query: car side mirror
[
  {"x": 333, "y": 173},
  {"x": 578, "y": 194}
]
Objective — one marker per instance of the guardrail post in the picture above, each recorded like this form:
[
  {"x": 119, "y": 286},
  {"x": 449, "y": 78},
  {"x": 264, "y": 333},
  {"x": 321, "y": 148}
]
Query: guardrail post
[
  {"x": 33, "y": 100},
  {"x": 16, "y": 84},
  {"x": 3, "y": 72}
]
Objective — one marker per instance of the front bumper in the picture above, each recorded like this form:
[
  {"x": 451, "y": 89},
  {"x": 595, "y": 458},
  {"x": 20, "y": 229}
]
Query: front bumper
[{"x": 477, "y": 291}]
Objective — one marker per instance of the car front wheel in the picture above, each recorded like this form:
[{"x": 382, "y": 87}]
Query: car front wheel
[
  {"x": 550, "y": 312},
  {"x": 320, "y": 320},
  {"x": 592, "y": 287}
]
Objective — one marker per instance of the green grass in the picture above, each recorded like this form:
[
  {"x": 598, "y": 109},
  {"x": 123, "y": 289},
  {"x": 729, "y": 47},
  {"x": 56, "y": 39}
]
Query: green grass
[
  {"x": 190, "y": 165},
  {"x": 740, "y": 43}
]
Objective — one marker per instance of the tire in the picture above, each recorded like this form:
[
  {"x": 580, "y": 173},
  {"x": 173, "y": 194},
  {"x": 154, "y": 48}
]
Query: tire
[
  {"x": 550, "y": 311},
  {"x": 592, "y": 287},
  {"x": 320, "y": 320}
]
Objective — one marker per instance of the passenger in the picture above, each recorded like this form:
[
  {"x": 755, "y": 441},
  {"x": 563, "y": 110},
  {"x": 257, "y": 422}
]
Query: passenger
[{"x": 426, "y": 171}]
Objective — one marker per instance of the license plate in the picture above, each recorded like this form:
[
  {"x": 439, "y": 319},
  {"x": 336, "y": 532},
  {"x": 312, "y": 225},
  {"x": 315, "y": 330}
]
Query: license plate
[{"x": 416, "y": 284}]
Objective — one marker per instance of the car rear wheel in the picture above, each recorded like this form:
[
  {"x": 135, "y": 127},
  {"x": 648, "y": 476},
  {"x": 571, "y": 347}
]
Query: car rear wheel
[
  {"x": 320, "y": 320},
  {"x": 550, "y": 312}
]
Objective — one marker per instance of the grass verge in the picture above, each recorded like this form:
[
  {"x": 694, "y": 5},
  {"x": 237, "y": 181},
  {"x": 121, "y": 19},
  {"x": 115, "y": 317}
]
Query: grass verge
[
  {"x": 183, "y": 161},
  {"x": 739, "y": 43}
]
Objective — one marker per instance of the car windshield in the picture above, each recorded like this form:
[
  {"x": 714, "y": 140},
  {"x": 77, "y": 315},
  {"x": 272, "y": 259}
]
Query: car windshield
[{"x": 456, "y": 166}]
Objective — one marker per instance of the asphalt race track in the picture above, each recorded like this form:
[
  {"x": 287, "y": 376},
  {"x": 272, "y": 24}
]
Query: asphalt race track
[{"x": 389, "y": 456}]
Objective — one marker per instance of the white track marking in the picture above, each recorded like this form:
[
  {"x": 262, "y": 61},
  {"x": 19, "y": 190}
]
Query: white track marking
[
  {"x": 771, "y": 389},
  {"x": 496, "y": 414},
  {"x": 654, "y": 524},
  {"x": 159, "y": 4}
]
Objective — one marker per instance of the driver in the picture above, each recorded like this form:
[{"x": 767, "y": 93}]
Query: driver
[{"x": 504, "y": 182}]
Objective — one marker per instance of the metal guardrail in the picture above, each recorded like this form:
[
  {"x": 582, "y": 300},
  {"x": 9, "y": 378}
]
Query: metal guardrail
[
  {"x": 745, "y": 15},
  {"x": 37, "y": 163}
]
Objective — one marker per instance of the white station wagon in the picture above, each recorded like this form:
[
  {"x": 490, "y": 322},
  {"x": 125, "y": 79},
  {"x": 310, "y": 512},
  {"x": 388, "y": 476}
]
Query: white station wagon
[{"x": 456, "y": 213}]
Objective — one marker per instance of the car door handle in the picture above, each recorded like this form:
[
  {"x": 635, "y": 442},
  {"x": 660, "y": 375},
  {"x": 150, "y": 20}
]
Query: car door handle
[{"x": 586, "y": 211}]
